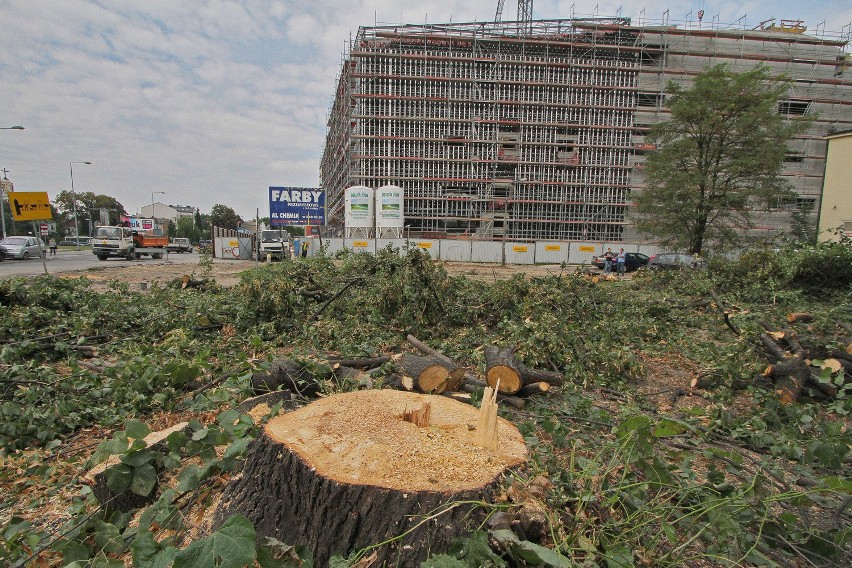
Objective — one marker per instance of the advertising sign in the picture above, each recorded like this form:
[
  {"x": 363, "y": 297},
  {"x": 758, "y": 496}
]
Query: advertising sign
[
  {"x": 138, "y": 224},
  {"x": 30, "y": 205},
  {"x": 296, "y": 206}
]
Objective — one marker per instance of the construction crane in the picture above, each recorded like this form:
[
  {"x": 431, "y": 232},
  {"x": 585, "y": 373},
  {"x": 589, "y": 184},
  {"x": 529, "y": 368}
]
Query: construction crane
[{"x": 525, "y": 8}]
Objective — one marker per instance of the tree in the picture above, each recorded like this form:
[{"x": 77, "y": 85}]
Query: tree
[
  {"x": 718, "y": 159},
  {"x": 186, "y": 227},
  {"x": 89, "y": 205},
  {"x": 225, "y": 217}
]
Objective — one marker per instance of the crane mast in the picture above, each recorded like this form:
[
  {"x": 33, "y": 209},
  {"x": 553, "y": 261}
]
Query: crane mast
[{"x": 525, "y": 8}]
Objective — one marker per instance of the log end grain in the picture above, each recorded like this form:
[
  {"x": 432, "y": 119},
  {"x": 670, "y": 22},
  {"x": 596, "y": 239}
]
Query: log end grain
[{"x": 361, "y": 438}]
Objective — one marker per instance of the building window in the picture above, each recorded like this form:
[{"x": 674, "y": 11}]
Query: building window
[
  {"x": 794, "y": 158},
  {"x": 803, "y": 204},
  {"x": 793, "y": 107},
  {"x": 648, "y": 99}
]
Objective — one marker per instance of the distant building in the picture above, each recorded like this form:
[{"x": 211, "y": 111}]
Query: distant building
[
  {"x": 836, "y": 205},
  {"x": 168, "y": 212},
  {"x": 536, "y": 130}
]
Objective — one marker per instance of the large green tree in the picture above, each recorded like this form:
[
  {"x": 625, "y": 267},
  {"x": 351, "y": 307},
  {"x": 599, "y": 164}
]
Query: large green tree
[
  {"x": 718, "y": 160},
  {"x": 225, "y": 217},
  {"x": 89, "y": 205}
]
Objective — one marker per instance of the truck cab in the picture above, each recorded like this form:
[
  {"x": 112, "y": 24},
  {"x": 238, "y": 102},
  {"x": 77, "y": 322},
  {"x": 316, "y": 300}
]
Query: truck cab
[
  {"x": 126, "y": 243},
  {"x": 275, "y": 242}
]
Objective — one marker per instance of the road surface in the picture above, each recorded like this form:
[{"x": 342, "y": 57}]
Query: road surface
[{"x": 75, "y": 261}]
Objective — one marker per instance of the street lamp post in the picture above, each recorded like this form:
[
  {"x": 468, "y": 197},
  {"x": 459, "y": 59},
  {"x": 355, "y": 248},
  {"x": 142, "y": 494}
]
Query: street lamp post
[
  {"x": 74, "y": 202},
  {"x": 3, "y": 192},
  {"x": 154, "y": 206}
]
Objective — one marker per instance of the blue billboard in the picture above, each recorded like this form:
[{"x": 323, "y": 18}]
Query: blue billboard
[{"x": 296, "y": 206}]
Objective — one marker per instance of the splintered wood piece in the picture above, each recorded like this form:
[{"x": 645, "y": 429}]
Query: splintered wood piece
[
  {"x": 486, "y": 427},
  {"x": 346, "y": 472},
  {"x": 418, "y": 417}
]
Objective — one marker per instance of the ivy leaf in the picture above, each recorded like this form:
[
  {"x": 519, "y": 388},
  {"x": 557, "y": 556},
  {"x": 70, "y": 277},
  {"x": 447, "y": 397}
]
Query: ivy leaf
[
  {"x": 137, "y": 458},
  {"x": 443, "y": 561},
  {"x": 149, "y": 553},
  {"x": 238, "y": 447},
  {"x": 136, "y": 429},
  {"x": 232, "y": 546},
  {"x": 670, "y": 427},
  {"x": 144, "y": 480},
  {"x": 619, "y": 557},
  {"x": 118, "y": 477}
]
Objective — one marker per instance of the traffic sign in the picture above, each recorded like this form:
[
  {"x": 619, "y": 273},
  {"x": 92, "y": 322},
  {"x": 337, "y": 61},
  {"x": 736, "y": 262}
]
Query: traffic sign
[
  {"x": 30, "y": 205},
  {"x": 43, "y": 228}
]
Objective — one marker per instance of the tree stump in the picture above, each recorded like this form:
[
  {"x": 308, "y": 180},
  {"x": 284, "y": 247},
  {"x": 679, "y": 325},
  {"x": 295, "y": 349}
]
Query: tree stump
[{"x": 346, "y": 472}]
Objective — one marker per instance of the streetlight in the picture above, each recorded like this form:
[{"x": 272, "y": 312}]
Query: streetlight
[
  {"x": 3, "y": 191},
  {"x": 153, "y": 207},
  {"x": 74, "y": 203}
]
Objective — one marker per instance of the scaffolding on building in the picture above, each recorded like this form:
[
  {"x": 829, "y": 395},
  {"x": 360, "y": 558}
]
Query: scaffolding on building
[{"x": 535, "y": 130}]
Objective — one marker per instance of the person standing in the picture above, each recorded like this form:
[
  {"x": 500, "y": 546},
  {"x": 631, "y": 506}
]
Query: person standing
[
  {"x": 608, "y": 256},
  {"x": 52, "y": 245},
  {"x": 619, "y": 262}
]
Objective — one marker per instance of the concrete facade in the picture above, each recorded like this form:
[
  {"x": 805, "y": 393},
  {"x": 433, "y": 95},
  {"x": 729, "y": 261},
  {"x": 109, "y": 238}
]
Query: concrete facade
[{"x": 836, "y": 207}]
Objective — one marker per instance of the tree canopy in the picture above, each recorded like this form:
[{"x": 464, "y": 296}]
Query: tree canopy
[
  {"x": 224, "y": 216},
  {"x": 718, "y": 159},
  {"x": 89, "y": 205}
]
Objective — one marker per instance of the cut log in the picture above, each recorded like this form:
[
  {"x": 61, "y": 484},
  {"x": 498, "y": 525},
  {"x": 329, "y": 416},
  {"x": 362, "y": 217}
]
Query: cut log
[
  {"x": 794, "y": 317},
  {"x": 346, "y": 472},
  {"x": 789, "y": 376},
  {"x": 501, "y": 365},
  {"x": 534, "y": 388},
  {"x": 362, "y": 363},
  {"x": 456, "y": 377},
  {"x": 431, "y": 374},
  {"x": 286, "y": 374},
  {"x": 513, "y": 401}
]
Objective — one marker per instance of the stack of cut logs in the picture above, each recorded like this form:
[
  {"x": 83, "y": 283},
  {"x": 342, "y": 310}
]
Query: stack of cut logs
[
  {"x": 430, "y": 372},
  {"x": 797, "y": 371}
]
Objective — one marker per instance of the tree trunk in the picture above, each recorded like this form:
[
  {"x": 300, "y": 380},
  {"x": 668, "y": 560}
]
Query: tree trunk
[
  {"x": 500, "y": 364},
  {"x": 456, "y": 381},
  {"x": 286, "y": 374},
  {"x": 347, "y": 472},
  {"x": 431, "y": 374}
]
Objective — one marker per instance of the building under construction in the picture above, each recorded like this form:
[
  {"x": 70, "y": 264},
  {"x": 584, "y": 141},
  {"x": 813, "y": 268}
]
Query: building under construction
[{"x": 535, "y": 130}]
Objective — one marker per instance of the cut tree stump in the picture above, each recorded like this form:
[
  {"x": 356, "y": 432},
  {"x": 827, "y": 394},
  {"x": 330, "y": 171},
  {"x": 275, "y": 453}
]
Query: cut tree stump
[
  {"x": 347, "y": 472},
  {"x": 501, "y": 365}
]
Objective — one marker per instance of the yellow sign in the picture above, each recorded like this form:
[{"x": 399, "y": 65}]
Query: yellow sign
[
  {"x": 30, "y": 205},
  {"x": 360, "y": 244},
  {"x": 233, "y": 244},
  {"x": 519, "y": 248},
  {"x": 552, "y": 247},
  {"x": 586, "y": 248},
  {"x": 425, "y": 245}
]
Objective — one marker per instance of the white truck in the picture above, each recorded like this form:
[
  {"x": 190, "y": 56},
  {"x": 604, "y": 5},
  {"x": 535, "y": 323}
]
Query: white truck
[
  {"x": 275, "y": 243},
  {"x": 127, "y": 243},
  {"x": 180, "y": 244}
]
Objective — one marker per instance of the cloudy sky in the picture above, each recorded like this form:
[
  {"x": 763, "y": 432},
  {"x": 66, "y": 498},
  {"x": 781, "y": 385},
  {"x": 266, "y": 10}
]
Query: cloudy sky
[{"x": 213, "y": 101}]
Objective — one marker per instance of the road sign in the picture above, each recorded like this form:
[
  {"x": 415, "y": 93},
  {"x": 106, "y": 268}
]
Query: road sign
[
  {"x": 43, "y": 228},
  {"x": 30, "y": 205}
]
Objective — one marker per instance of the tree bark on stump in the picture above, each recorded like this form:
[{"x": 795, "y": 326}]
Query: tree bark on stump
[
  {"x": 346, "y": 472},
  {"x": 500, "y": 364}
]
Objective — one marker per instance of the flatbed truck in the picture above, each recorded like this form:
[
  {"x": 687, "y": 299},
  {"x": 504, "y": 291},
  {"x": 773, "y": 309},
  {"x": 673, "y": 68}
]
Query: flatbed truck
[{"x": 127, "y": 243}]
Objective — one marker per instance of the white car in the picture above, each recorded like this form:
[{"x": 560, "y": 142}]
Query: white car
[{"x": 23, "y": 247}]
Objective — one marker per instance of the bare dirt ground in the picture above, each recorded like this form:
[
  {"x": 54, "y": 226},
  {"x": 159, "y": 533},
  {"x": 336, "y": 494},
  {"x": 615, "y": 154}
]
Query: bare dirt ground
[{"x": 227, "y": 272}]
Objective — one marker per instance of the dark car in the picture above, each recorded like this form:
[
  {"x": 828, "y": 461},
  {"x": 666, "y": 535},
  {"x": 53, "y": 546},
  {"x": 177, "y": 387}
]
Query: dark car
[
  {"x": 632, "y": 261},
  {"x": 205, "y": 245},
  {"x": 675, "y": 261}
]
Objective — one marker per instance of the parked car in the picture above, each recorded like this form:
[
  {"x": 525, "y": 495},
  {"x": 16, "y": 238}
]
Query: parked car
[
  {"x": 23, "y": 247},
  {"x": 78, "y": 241},
  {"x": 205, "y": 245},
  {"x": 179, "y": 244},
  {"x": 675, "y": 261},
  {"x": 632, "y": 261}
]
